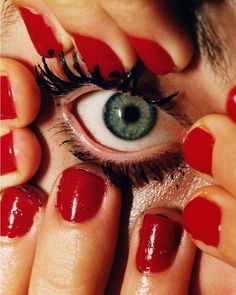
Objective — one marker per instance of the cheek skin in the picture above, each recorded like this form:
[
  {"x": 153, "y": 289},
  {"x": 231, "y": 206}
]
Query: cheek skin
[{"x": 171, "y": 193}]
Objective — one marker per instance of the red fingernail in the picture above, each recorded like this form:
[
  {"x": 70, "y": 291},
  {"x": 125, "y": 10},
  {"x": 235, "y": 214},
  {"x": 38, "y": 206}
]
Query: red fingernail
[
  {"x": 80, "y": 195},
  {"x": 8, "y": 161},
  {"x": 18, "y": 208},
  {"x": 202, "y": 220},
  {"x": 41, "y": 33},
  {"x": 155, "y": 58},
  {"x": 8, "y": 110},
  {"x": 159, "y": 241},
  {"x": 231, "y": 104},
  {"x": 97, "y": 53},
  {"x": 198, "y": 147}
]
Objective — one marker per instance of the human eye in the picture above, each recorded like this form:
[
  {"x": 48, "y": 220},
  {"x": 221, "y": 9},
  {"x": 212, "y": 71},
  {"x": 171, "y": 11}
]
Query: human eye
[{"x": 129, "y": 136}]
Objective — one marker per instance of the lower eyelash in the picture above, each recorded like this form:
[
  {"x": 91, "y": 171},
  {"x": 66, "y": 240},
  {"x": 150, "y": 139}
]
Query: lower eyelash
[{"x": 133, "y": 173}]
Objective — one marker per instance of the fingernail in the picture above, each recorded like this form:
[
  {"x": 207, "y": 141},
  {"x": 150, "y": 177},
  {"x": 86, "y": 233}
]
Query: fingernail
[
  {"x": 159, "y": 240},
  {"x": 18, "y": 208},
  {"x": 41, "y": 33},
  {"x": 231, "y": 104},
  {"x": 198, "y": 147},
  {"x": 97, "y": 53},
  {"x": 80, "y": 194},
  {"x": 202, "y": 220},
  {"x": 8, "y": 110},
  {"x": 8, "y": 161},
  {"x": 155, "y": 58}
]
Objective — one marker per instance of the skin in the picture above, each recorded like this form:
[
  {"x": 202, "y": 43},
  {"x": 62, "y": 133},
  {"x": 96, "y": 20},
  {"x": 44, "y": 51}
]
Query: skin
[{"x": 211, "y": 275}]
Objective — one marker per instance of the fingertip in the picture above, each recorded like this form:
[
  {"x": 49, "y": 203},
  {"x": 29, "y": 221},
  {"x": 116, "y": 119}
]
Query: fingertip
[
  {"x": 20, "y": 154},
  {"x": 20, "y": 98}
]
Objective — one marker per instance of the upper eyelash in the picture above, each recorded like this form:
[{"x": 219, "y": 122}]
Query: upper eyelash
[
  {"x": 119, "y": 173},
  {"x": 54, "y": 85}
]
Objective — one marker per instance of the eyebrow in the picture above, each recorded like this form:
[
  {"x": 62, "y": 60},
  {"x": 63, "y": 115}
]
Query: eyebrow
[{"x": 9, "y": 17}]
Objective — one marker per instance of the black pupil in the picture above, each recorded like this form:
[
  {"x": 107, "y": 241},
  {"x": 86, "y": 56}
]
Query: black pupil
[{"x": 131, "y": 114}]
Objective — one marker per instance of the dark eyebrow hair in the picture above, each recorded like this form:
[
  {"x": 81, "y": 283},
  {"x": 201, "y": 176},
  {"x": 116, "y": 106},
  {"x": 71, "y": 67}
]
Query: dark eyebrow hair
[{"x": 211, "y": 46}]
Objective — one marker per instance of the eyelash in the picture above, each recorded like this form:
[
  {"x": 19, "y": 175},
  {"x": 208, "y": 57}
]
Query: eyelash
[{"x": 119, "y": 173}]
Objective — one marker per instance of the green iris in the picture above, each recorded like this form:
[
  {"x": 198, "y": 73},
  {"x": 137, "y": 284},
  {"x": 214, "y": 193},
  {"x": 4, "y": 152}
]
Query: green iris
[{"x": 129, "y": 117}]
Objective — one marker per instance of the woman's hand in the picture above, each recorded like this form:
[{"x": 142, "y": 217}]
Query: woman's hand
[
  {"x": 209, "y": 216},
  {"x": 111, "y": 34}
]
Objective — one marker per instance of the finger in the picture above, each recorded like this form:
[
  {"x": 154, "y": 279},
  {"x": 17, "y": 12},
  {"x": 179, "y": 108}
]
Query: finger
[
  {"x": 46, "y": 33},
  {"x": 210, "y": 148},
  {"x": 76, "y": 245},
  {"x": 210, "y": 219},
  {"x": 21, "y": 217},
  {"x": 98, "y": 38},
  {"x": 18, "y": 88},
  {"x": 158, "y": 35},
  {"x": 158, "y": 251},
  {"x": 20, "y": 156}
]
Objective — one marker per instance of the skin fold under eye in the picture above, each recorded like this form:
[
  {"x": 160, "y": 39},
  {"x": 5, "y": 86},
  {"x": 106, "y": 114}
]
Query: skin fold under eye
[{"x": 124, "y": 123}]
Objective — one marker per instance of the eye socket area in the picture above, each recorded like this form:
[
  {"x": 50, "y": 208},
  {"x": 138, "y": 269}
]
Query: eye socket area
[{"x": 113, "y": 122}]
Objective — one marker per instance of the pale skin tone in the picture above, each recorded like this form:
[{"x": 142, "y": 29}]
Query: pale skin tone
[{"x": 203, "y": 92}]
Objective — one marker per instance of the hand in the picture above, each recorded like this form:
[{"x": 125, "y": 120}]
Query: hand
[{"x": 209, "y": 216}]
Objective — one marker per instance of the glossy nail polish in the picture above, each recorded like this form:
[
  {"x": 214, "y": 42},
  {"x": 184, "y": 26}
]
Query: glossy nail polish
[
  {"x": 159, "y": 241},
  {"x": 97, "y": 53},
  {"x": 80, "y": 194},
  {"x": 41, "y": 33},
  {"x": 202, "y": 220},
  {"x": 8, "y": 161},
  {"x": 231, "y": 104},
  {"x": 198, "y": 147},
  {"x": 8, "y": 110},
  {"x": 18, "y": 208},
  {"x": 155, "y": 58}
]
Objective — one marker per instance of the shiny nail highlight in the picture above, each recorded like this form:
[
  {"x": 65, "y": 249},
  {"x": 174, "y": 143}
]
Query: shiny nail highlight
[
  {"x": 159, "y": 241},
  {"x": 18, "y": 208},
  {"x": 97, "y": 53},
  {"x": 231, "y": 104},
  {"x": 8, "y": 161},
  {"x": 41, "y": 33},
  {"x": 202, "y": 220},
  {"x": 8, "y": 110},
  {"x": 80, "y": 195},
  {"x": 198, "y": 148},
  {"x": 155, "y": 58}
]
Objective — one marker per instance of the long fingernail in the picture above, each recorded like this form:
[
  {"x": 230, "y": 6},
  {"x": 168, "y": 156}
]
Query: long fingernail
[
  {"x": 80, "y": 194},
  {"x": 159, "y": 240},
  {"x": 96, "y": 53},
  {"x": 8, "y": 161},
  {"x": 155, "y": 58},
  {"x": 18, "y": 208},
  {"x": 231, "y": 104},
  {"x": 41, "y": 33},
  {"x": 198, "y": 147},
  {"x": 8, "y": 110},
  {"x": 202, "y": 220}
]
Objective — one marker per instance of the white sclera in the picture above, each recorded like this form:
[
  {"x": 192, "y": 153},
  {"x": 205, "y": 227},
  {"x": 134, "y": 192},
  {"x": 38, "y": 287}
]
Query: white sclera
[{"x": 90, "y": 111}]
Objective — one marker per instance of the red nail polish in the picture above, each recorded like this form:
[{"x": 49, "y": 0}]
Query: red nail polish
[
  {"x": 41, "y": 33},
  {"x": 97, "y": 53},
  {"x": 8, "y": 110},
  {"x": 159, "y": 241},
  {"x": 231, "y": 104},
  {"x": 202, "y": 220},
  {"x": 18, "y": 208},
  {"x": 80, "y": 195},
  {"x": 155, "y": 58},
  {"x": 198, "y": 147},
  {"x": 8, "y": 161}
]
